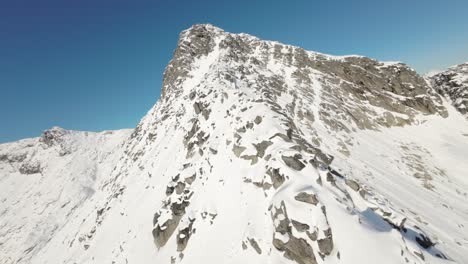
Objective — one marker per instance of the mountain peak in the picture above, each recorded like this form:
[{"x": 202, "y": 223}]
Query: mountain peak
[
  {"x": 53, "y": 135},
  {"x": 205, "y": 48},
  {"x": 202, "y": 27}
]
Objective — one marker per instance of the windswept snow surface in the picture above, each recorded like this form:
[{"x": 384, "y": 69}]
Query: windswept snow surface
[{"x": 257, "y": 152}]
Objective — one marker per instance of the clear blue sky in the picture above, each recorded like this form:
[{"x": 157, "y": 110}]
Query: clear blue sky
[{"x": 97, "y": 64}]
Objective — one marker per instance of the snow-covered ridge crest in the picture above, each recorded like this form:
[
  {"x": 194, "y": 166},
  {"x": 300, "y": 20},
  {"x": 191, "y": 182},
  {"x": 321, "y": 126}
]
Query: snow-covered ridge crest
[
  {"x": 259, "y": 152},
  {"x": 391, "y": 92}
]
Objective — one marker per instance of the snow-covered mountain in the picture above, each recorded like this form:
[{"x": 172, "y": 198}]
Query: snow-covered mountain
[
  {"x": 46, "y": 181},
  {"x": 256, "y": 152}
]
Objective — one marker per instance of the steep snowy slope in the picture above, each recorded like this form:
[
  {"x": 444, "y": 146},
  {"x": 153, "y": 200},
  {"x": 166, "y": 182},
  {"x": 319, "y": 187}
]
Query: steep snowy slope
[
  {"x": 259, "y": 152},
  {"x": 453, "y": 84},
  {"x": 45, "y": 180}
]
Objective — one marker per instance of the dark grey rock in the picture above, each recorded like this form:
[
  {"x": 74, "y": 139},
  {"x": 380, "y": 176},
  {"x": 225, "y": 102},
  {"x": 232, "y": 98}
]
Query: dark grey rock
[
  {"x": 206, "y": 113},
  {"x": 244, "y": 245},
  {"x": 242, "y": 130},
  {"x": 169, "y": 190},
  {"x": 192, "y": 95},
  {"x": 312, "y": 236},
  {"x": 296, "y": 249},
  {"x": 213, "y": 151},
  {"x": 255, "y": 245},
  {"x": 190, "y": 179},
  {"x": 253, "y": 158},
  {"x": 325, "y": 158},
  {"x": 180, "y": 187},
  {"x": 352, "y": 184},
  {"x": 293, "y": 162},
  {"x": 178, "y": 209},
  {"x": 306, "y": 198},
  {"x": 282, "y": 136},
  {"x": 163, "y": 232},
  {"x": 183, "y": 237},
  {"x": 325, "y": 245},
  {"x": 261, "y": 147},
  {"x": 162, "y": 235},
  {"x": 258, "y": 120},
  {"x": 330, "y": 178},
  {"x": 301, "y": 227},
  {"x": 424, "y": 241},
  {"x": 238, "y": 150},
  {"x": 30, "y": 168},
  {"x": 276, "y": 177}
]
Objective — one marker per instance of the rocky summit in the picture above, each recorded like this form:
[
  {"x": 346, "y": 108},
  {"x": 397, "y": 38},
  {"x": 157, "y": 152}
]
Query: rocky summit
[{"x": 256, "y": 152}]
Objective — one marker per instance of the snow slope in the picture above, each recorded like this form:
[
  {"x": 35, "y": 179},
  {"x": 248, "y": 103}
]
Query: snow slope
[
  {"x": 256, "y": 152},
  {"x": 45, "y": 180}
]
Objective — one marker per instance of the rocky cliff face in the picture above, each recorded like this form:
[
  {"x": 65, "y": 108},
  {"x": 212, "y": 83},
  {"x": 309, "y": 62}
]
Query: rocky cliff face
[
  {"x": 453, "y": 84},
  {"x": 260, "y": 152}
]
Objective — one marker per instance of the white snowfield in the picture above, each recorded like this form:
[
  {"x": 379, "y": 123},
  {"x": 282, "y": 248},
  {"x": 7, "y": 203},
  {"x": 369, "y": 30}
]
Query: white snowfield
[{"x": 257, "y": 152}]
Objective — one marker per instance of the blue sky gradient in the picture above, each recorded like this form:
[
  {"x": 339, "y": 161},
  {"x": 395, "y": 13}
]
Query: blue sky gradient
[{"x": 97, "y": 65}]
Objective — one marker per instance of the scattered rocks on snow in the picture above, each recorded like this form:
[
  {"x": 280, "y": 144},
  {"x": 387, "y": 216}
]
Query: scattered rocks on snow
[
  {"x": 163, "y": 231},
  {"x": 296, "y": 249}
]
